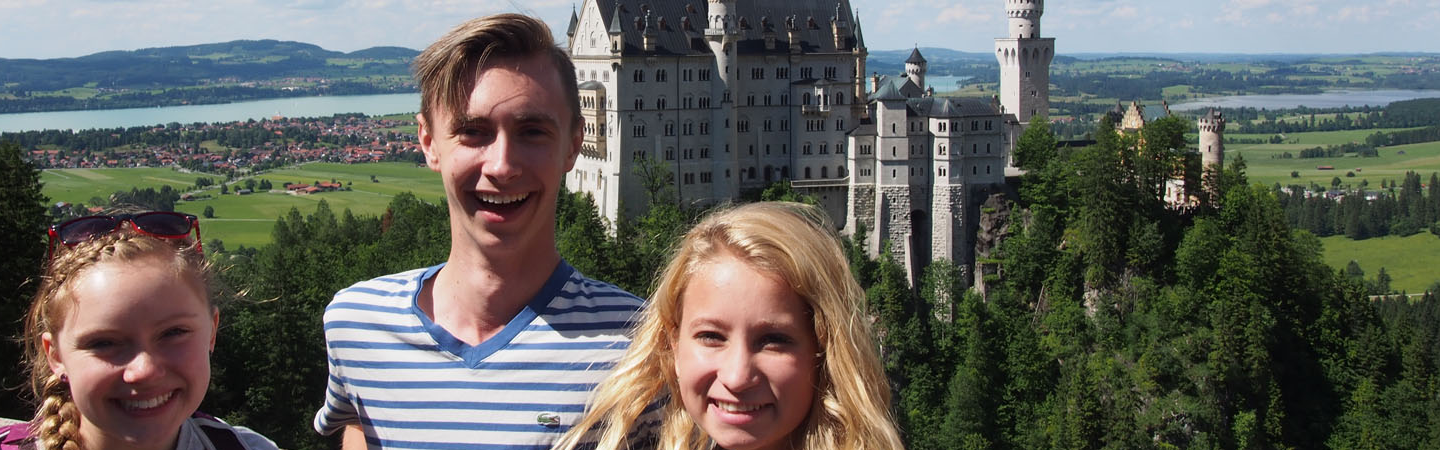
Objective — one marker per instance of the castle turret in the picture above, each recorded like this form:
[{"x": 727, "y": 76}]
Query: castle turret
[
  {"x": 617, "y": 34},
  {"x": 1024, "y": 17},
  {"x": 722, "y": 30},
  {"x": 915, "y": 68},
  {"x": 1024, "y": 59},
  {"x": 1212, "y": 140}
]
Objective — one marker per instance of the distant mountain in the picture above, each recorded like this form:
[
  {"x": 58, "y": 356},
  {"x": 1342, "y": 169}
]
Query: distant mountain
[
  {"x": 384, "y": 53},
  {"x": 199, "y": 65}
]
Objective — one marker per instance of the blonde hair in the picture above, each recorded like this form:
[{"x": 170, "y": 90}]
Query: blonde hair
[
  {"x": 56, "y": 422},
  {"x": 796, "y": 243},
  {"x": 446, "y": 69}
]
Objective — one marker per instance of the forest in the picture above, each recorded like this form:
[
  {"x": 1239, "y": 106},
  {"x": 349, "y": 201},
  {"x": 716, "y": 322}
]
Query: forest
[{"x": 1113, "y": 321}]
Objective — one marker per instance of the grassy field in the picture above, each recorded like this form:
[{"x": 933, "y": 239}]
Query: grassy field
[
  {"x": 247, "y": 219},
  {"x": 1392, "y": 163},
  {"x": 79, "y": 185},
  {"x": 1408, "y": 260}
]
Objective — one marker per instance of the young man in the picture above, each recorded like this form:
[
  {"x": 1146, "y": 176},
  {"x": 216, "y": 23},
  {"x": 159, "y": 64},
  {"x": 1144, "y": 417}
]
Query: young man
[{"x": 499, "y": 346}]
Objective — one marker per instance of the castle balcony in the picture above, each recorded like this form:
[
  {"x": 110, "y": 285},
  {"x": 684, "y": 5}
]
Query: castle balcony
[
  {"x": 815, "y": 109},
  {"x": 832, "y": 182}
]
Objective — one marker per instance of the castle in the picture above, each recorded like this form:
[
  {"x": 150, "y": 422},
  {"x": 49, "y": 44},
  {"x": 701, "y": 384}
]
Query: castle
[{"x": 731, "y": 95}]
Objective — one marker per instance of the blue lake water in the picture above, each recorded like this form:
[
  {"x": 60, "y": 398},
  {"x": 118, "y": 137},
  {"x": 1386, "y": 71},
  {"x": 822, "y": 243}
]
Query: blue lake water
[
  {"x": 1329, "y": 99},
  {"x": 228, "y": 112},
  {"x": 402, "y": 103}
]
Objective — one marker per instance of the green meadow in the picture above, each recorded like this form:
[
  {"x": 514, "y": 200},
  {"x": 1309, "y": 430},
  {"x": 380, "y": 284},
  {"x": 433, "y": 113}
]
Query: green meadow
[
  {"x": 1410, "y": 261},
  {"x": 80, "y": 185},
  {"x": 247, "y": 219},
  {"x": 1264, "y": 165}
]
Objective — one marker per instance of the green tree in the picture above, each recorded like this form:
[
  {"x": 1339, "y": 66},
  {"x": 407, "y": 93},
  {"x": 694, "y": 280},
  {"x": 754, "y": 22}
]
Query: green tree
[
  {"x": 209, "y": 212},
  {"x": 22, "y": 235}
]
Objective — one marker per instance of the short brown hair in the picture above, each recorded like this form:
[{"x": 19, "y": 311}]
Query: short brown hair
[{"x": 445, "y": 70}]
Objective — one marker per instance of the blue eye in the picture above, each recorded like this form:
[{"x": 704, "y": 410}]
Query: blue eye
[{"x": 709, "y": 338}]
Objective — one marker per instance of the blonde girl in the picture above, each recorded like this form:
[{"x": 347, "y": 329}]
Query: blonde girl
[
  {"x": 118, "y": 340},
  {"x": 756, "y": 338}
]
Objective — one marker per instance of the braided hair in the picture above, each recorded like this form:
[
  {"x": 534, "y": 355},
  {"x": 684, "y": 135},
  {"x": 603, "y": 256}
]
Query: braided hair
[{"x": 57, "y": 419}]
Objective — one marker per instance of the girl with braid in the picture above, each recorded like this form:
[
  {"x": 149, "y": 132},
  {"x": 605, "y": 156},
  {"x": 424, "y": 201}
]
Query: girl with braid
[{"x": 118, "y": 341}]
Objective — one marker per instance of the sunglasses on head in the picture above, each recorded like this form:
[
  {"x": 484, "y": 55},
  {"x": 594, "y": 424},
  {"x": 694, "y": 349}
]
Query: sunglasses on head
[{"x": 161, "y": 224}]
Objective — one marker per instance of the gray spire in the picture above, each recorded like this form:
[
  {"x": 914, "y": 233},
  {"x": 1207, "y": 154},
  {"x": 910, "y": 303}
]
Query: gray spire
[
  {"x": 615, "y": 27},
  {"x": 574, "y": 22},
  {"x": 915, "y": 57}
]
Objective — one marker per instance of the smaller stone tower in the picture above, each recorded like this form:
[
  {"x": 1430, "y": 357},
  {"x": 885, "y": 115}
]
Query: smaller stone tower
[
  {"x": 915, "y": 68},
  {"x": 1024, "y": 17},
  {"x": 1212, "y": 140}
]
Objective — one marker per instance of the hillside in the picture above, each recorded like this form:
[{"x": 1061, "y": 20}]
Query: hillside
[{"x": 206, "y": 73}]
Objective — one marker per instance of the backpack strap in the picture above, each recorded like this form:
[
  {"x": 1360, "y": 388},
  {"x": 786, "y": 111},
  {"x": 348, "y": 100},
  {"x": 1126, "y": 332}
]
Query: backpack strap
[
  {"x": 222, "y": 438},
  {"x": 16, "y": 436}
]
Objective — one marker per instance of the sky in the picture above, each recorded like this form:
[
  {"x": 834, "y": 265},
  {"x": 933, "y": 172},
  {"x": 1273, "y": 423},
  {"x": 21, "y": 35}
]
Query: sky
[{"x": 69, "y": 28}]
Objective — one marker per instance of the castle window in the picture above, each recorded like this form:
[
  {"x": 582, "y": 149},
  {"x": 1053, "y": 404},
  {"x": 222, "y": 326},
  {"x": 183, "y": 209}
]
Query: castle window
[
  {"x": 942, "y": 127},
  {"x": 752, "y": 173},
  {"x": 824, "y": 172},
  {"x": 805, "y": 149},
  {"x": 805, "y": 73},
  {"x": 839, "y": 124},
  {"x": 807, "y": 173},
  {"x": 742, "y": 125},
  {"x": 782, "y": 73},
  {"x": 767, "y": 99},
  {"x": 687, "y": 75},
  {"x": 824, "y": 148},
  {"x": 752, "y": 150},
  {"x": 639, "y": 76},
  {"x": 784, "y": 99},
  {"x": 987, "y": 125},
  {"x": 704, "y": 152},
  {"x": 767, "y": 125},
  {"x": 704, "y": 128},
  {"x": 639, "y": 104},
  {"x": 660, "y": 103},
  {"x": 637, "y": 131},
  {"x": 974, "y": 125},
  {"x": 805, "y": 99},
  {"x": 704, "y": 74},
  {"x": 974, "y": 149},
  {"x": 785, "y": 125},
  {"x": 987, "y": 148},
  {"x": 669, "y": 128},
  {"x": 661, "y": 76},
  {"x": 669, "y": 154},
  {"x": 830, "y": 72},
  {"x": 942, "y": 171},
  {"x": 840, "y": 171},
  {"x": 942, "y": 149},
  {"x": 750, "y": 100},
  {"x": 973, "y": 170},
  {"x": 757, "y": 73},
  {"x": 767, "y": 152}
]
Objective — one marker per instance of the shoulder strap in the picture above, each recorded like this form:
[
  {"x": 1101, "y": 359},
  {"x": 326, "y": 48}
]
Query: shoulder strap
[
  {"x": 16, "y": 437},
  {"x": 222, "y": 438}
]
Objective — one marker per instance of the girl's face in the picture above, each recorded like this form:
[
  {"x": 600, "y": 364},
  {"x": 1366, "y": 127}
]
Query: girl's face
[
  {"x": 744, "y": 356},
  {"x": 135, "y": 346}
]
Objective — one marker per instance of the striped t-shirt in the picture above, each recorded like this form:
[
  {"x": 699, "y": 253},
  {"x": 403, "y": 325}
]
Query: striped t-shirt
[{"x": 413, "y": 385}]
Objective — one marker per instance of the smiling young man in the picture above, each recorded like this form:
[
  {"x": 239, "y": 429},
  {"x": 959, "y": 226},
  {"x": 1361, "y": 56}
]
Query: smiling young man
[{"x": 499, "y": 346}]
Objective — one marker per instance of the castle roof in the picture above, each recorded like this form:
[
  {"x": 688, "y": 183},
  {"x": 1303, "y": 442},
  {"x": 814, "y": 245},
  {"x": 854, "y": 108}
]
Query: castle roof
[
  {"x": 592, "y": 85},
  {"x": 950, "y": 107},
  {"x": 896, "y": 88},
  {"x": 679, "y": 25},
  {"x": 915, "y": 57}
]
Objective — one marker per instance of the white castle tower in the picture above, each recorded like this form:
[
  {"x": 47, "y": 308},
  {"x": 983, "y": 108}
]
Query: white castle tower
[
  {"x": 1025, "y": 62},
  {"x": 722, "y": 30},
  {"x": 915, "y": 68},
  {"x": 1212, "y": 140}
]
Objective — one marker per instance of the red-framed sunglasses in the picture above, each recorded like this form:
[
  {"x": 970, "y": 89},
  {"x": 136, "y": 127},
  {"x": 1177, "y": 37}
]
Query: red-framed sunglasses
[{"x": 161, "y": 224}]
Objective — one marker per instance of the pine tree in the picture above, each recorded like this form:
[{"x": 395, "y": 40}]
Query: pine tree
[{"x": 22, "y": 235}]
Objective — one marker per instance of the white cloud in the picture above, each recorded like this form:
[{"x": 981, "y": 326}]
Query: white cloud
[
  {"x": 961, "y": 13},
  {"x": 1125, "y": 12}
]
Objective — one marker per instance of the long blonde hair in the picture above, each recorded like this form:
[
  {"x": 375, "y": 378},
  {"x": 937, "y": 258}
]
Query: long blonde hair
[
  {"x": 56, "y": 422},
  {"x": 796, "y": 243}
]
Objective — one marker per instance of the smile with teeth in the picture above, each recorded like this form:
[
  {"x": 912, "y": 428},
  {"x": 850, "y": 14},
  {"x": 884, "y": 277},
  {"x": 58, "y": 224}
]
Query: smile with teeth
[
  {"x": 137, "y": 405},
  {"x": 502, "y": 199},
  {"x": 738, "y": 407}
]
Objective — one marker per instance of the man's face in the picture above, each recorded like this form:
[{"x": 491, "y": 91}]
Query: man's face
[{"x": 503, "y": 162}]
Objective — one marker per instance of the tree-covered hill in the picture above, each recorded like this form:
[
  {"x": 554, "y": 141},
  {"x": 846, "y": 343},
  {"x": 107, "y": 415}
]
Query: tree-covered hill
[{"x": 198, "y": 74}]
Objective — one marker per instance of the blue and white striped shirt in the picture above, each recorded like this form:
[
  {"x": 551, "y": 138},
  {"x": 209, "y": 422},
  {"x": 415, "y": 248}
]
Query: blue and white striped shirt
[{"x": 413, "y": 385}]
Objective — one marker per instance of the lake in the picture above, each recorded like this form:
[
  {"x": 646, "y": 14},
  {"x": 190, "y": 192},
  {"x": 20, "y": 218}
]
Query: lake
[
  {"x": 227, "y": 112},
  {"x": 1329, "y": 99}
]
